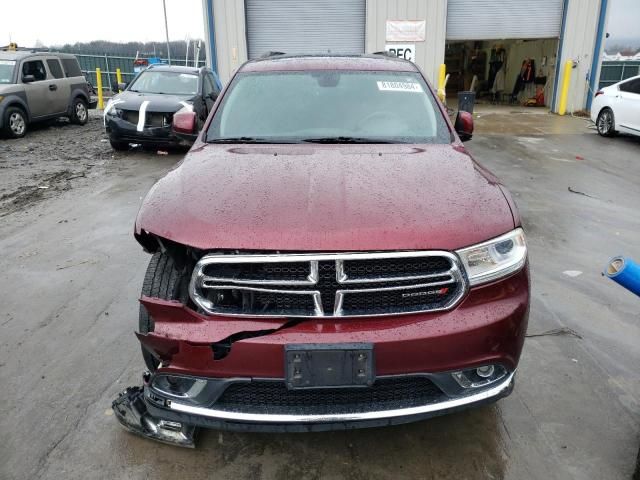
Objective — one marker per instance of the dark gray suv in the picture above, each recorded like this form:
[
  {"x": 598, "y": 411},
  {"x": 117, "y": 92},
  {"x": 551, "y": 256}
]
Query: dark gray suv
[{"x": 36, "y": 86}]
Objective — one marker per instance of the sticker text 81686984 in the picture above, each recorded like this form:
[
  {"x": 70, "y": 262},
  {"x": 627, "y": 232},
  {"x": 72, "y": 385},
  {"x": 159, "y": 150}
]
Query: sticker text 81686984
[{"x": 400, "y": 87}]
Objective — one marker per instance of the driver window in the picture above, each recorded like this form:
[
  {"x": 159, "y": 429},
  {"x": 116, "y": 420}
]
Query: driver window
[{"x": 35, "y": 68}]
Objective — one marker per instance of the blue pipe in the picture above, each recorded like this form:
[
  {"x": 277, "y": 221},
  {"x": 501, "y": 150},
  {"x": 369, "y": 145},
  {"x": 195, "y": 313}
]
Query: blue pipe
[
  {"x": 212, "y": 36},
  {"x": 596, "y": 52},
  {"x": 625, "y": 272}
]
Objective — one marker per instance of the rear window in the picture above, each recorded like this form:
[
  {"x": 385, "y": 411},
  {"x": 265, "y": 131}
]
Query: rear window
[
  {"x": 6, "y": 71},
  {"x": 372, "y": 107},
  {"x": 71, "y": 67},
  {"x": 55, "y": 68}
]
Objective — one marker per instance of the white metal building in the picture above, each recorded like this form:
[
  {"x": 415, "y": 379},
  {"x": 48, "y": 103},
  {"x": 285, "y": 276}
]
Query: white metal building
[{"x": 474, "y": 38}]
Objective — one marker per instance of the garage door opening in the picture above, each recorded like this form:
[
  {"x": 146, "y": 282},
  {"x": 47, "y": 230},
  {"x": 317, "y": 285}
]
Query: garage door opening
[{"x": 514, "y": 71}]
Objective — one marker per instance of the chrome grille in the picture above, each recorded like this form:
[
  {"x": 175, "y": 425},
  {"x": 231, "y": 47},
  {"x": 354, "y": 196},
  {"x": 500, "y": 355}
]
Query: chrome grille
[{"x": 327, "y": 285}]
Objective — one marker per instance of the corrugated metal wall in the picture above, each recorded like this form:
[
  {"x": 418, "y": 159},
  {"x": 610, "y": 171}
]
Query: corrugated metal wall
[
  {"x": 231, "y": 38},
  {"x": 578, "y": 43},
  {"x": 430, "y": 53},
  {"x": 489, "y": 19}
]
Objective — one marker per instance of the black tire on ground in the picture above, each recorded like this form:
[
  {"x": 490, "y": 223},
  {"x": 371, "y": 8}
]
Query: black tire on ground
[
  {"x": 79, "y": 112},
  {"x": 162, "y": 280},
  {"x": 14, "y": 122},
  {"x": 606, "y": 122},
  {"x": 119, "y": 145}
]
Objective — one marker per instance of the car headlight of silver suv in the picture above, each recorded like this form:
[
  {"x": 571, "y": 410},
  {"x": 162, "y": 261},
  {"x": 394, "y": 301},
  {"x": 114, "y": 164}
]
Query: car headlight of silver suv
[{"x": 496, "y": 258}]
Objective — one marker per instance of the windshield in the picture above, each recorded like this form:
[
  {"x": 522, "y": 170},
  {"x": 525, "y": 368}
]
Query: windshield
[
  {"x": 170, "y": 83},
  {"x": 6, "y": 71},
  {"x": 329, "y": 107}
]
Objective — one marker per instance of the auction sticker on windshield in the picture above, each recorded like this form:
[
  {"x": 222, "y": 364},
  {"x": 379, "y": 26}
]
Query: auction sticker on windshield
[{"x": 400, "y": 87}]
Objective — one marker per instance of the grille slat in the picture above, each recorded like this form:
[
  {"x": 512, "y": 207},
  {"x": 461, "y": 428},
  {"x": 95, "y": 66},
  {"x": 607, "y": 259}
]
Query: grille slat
[
  {"x": 350, "y": 284},
  {"x": 267, "y": 396}
]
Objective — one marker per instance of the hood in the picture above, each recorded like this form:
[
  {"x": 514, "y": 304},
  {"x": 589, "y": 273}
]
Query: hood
[
  {"x": 326, "y": 198},
  {"x": 157, "y": 103}
]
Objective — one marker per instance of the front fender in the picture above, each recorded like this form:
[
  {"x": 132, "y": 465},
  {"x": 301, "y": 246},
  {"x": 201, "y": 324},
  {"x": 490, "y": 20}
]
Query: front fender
[{"x": 14, "y": 99}]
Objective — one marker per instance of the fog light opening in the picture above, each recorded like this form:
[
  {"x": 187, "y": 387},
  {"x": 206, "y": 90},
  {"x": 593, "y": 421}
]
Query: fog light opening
[
  {"x": 479, "y": 376},
  {"x": 485, "y": 371},
  {"x": 178, "y": 386}
]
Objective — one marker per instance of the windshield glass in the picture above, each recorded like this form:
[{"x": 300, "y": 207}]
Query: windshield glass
[
  {"x": 171, "y": 83},
  {"x": 329, "y": 107},
  {"x": 6, "y": 71}
]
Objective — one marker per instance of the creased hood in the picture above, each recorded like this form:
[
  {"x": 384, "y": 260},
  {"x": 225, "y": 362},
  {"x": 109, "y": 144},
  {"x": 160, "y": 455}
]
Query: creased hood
[{"x": 326, "y": 198}]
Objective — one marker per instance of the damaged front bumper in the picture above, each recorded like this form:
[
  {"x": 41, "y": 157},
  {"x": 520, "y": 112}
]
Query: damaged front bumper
[
  {"x": 131, "y": 411},
  {"x": 231, "y": 373}
]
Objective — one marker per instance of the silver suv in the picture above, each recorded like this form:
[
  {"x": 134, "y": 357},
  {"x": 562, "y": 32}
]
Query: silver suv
[{"x": 36, "y": 86}]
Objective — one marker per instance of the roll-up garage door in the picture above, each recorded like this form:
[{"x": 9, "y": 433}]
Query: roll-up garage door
[
  {"x": 490, "y": 19},
  {"x": 305, "y": 26}
]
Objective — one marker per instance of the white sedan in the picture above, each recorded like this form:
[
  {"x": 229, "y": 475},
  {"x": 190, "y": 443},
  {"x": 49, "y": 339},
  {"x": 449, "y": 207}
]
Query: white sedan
[{"x": 616, "y": 108}]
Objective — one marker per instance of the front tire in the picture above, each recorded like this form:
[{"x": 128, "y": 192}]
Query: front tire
[
  {"x": 605, "y": 123},
  {"x": 163, "y": 281},
  {"x": 79, "y": 112},
  {"x": 15, "y": 122}
]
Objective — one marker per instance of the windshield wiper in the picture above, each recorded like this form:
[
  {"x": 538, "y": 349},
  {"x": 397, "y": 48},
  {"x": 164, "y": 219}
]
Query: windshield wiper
[
  {"x": 247, "y": 140},
  {"x": 346, "y": 140}
]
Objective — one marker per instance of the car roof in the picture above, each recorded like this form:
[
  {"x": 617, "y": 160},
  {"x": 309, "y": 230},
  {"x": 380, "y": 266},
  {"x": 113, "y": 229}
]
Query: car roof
[
  {"x": 277, "y": 62},
  {"x": 160, "y": 67},
  {"x": 20, "y": 54}
]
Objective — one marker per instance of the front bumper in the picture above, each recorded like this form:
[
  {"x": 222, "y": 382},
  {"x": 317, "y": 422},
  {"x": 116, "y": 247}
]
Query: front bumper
[
  {"x": 121, "y": 130},
  {"x": 210, "y": 417},
  {"x": 487, "y": 327}
]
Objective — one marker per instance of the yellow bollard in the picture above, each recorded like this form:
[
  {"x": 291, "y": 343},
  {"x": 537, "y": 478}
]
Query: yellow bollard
[
  {"x": 99, "y": 86},
  {"x": 441, "y": 78},
  {"x": 564, "y": 92},
  {"x": 119, "y": 78}
]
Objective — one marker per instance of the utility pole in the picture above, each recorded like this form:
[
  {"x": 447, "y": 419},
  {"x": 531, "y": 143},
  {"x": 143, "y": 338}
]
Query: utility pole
[{"x": 166, "y": 30}]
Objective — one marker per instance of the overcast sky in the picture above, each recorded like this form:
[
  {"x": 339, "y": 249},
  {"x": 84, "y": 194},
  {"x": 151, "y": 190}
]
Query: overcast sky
[{"x": 55, "y": 22}]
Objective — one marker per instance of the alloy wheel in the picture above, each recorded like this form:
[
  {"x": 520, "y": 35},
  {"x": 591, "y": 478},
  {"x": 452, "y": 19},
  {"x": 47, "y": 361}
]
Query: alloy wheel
[
  {"x": 81, "y": 111},
  {"x": 605, "y": 123},
  {"x": 17, "y": 123}
]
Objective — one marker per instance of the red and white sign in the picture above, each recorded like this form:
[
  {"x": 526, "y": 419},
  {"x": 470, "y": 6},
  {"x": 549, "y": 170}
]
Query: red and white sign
[{"x": 406, "y": 30}]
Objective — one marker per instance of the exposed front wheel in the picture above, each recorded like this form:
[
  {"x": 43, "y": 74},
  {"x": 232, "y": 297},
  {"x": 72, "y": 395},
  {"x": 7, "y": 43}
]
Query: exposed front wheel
[
  {"x": 605, "y": 123},
  {"x": 79, "y": 112},
  {"x": 15, "y": 122},
  {"x": 163, "y": 281}
]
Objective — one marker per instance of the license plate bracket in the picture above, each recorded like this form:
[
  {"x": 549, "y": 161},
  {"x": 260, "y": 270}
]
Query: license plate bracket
[{"x": 327, "y": 365}]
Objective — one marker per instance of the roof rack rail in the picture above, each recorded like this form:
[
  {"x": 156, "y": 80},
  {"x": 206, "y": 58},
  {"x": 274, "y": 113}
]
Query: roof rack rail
[{"x": 271, "y": 54}]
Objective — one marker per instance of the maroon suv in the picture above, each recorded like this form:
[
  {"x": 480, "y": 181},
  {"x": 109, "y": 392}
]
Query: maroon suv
[{"x": 328, "y": 255}]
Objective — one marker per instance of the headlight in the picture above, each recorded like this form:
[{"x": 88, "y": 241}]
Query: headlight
[
  {"x": 495, "y": 258},
  {"x": 113, "y": 111}
]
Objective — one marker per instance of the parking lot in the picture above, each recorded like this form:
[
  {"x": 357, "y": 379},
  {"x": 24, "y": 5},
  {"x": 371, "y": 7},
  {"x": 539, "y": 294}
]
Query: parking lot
[{"x": 71, "y": 273}]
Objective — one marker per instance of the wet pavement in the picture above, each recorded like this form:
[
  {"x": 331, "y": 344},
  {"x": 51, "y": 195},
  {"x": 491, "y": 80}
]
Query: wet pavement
[{"x": 70, "y": 274}]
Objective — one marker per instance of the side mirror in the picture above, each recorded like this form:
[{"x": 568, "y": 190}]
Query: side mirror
[
  {"x": 184, "y": 122},
  {"x": 122, "y": 86},
  {"x": 28, "y": 78},
  {"x": 464, "y": 125}
]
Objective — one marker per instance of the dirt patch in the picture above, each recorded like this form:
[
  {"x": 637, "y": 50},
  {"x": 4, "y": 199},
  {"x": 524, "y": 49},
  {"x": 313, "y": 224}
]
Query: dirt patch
[{"x": 49, "y": 159}]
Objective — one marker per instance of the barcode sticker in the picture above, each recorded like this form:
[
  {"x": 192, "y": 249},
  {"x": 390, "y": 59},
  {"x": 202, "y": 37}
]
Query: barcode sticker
[{"x": 400, "y": 87}]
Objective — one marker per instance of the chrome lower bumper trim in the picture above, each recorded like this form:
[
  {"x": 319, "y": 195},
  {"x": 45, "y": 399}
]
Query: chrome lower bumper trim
[{"x": 344, "y": 417}]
